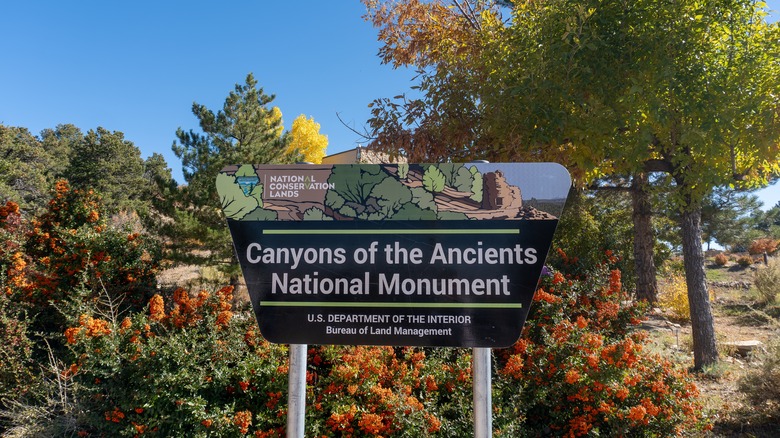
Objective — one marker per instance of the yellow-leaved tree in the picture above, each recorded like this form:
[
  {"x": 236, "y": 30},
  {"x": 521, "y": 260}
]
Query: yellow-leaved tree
[{"x": 307, "y": 140}]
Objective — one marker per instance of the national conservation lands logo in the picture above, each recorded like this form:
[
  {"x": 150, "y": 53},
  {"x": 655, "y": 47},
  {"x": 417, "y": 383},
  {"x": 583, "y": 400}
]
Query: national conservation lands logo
[
  {"x": 394, "y": 254},
  {"x": 245, "y": 191},
  {"x": 290, "y": 186}
]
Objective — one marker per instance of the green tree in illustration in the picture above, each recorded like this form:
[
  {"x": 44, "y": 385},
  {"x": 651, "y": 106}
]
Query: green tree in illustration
[
  {"x": 354, "y": 184},
  {"x": 433, "y": 179},
  {"x": 457, "y": 176},
  {"x": 241, "y": 195},
  {"x": 369, "y": 192},
  {"x": 476, "y": 184},
  {"x": 463, "y": 180},
  {"x": 315, "y": 214},
  {"x": 389, "y": 196},
  {"x": 418, "y": 209},
  {"x": 403, "y": 170},
  {"x": 235, "y": 202}
]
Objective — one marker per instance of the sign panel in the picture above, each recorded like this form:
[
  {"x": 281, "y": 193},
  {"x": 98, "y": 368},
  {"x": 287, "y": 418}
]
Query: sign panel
[{"x": 393, "y": 254}]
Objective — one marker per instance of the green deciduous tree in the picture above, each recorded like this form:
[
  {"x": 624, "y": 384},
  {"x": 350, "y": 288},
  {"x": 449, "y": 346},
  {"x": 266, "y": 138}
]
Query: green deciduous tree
[
  {"x": 246, "y": 130},
  {"x": 648, "y": 86},
  {"x": 684, "y": 88},
  {"x": 448, "y": 41}
]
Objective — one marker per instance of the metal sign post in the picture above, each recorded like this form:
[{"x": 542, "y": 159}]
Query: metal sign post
[
  {"x": 296, "y": 391},
  {"x": 483, "y": 410}
]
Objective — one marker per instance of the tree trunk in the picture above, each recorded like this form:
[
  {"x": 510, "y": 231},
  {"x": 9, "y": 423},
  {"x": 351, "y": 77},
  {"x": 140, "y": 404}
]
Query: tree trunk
[
  {"x": 705, "y": 351},
  {"x": 235, "y": 281},
  {"x": 646, "y": 286}
]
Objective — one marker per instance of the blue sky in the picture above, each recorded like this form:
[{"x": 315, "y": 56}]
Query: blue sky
[{"x": 137, "y": 67}]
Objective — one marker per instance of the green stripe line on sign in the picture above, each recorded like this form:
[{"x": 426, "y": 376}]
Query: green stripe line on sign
[
  {"x": 397, "y": 231},
  {"x": 393, "y": 305}
]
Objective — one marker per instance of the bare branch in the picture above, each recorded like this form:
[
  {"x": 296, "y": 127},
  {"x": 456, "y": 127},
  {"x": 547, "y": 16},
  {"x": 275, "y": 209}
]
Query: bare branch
[{"x": 364, "y": 135}]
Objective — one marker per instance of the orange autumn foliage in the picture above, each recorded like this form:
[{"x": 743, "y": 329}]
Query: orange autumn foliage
[{"x": 580, "y": 346}]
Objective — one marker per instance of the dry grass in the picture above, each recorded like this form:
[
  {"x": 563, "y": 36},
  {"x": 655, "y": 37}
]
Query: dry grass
[{"x": 739, "y": 315}]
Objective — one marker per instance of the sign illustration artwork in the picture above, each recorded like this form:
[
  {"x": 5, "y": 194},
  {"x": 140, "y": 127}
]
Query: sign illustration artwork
[{"x": 393, "y": 254}]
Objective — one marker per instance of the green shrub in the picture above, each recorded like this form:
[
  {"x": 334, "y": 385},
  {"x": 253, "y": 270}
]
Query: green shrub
[
  {"x": 185, "y": 365},
  {"x": 70, "y": 248},
  {"x": 384, "y": 391},
  {"x": 73, "y": 246},
  {"x": 190, "y": 368},
  {"x": 199, "y": 369},
  {"x": 18, "y": 373},
  {"x": 592, "y": 225},
  {"x": 49, "y": 267}
]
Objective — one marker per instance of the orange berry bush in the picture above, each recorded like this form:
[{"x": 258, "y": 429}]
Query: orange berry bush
[
  {"x": 51, "y": 266},
  {"x": 17, "y": 373},
  {"x": 580, "y": 367},
  {"x": 73, "y": 246},
  {"x": 186, "y": 366},
  {"x": 368, "y": 391}
]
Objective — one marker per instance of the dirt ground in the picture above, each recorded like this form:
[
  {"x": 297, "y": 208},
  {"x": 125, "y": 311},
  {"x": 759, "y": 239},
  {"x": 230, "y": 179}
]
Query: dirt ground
[{"x": 739, "y": 318}]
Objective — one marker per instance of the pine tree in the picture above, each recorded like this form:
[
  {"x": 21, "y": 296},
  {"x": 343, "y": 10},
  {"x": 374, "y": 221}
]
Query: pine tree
[
  {"x": 111, "y": 165},
  {"x": 24, "y": 166},
  {"x": 246, "y": 131}
]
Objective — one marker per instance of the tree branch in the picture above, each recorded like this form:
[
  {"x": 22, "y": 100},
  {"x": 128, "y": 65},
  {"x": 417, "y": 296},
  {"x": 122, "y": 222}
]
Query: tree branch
[
  {"x": 657, "y": 165},
  {"x": 467, "y": 14},
  {"x": 365, "y": 135}
]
